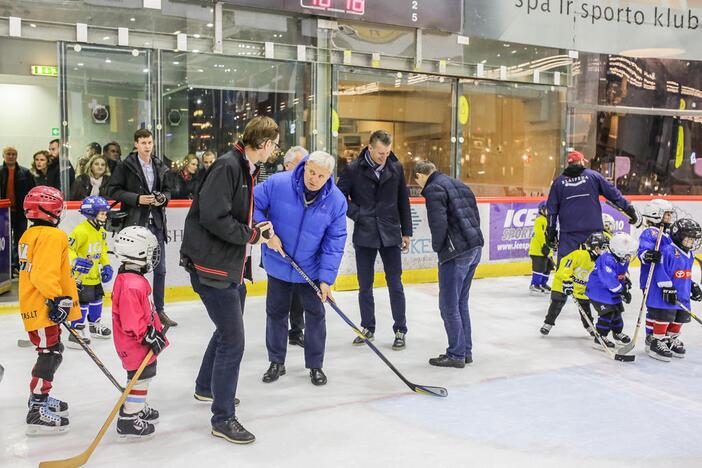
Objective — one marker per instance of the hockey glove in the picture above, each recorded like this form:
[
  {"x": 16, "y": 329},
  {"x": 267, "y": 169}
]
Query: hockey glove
[
  {"x": 106, "y": 274},
  {"x": 695, "y": 292},
  {"x": 627, "y": 283},
  {"x": 633, "y": 215},
  {"x": 567, "y": 288},
  {"x": 82, "y": 265},
  {"x": 651, "y": 256},
  {"x": 626, "y": 296},
  {"x": 59, "y": 308},
  {"x": 154, "y": 339},
  {"x": 545, "y": 250},
  {"x": 670, "y": 295},
  {"x": 551, "y": 238}
]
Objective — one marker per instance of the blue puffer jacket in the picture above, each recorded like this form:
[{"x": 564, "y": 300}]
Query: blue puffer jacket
[{"x": 313, "y": 236}]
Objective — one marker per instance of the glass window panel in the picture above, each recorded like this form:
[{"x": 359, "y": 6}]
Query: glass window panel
[
  {"x": 259, "y": 26},
  {"x": 369, "y": 38}
]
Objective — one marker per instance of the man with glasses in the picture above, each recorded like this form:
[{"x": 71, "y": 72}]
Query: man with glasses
[{"x": 15, "y": 182}]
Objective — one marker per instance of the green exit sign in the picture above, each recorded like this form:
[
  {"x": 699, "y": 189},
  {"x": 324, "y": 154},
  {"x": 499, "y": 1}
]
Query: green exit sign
[{"x": 44, "y": 70}]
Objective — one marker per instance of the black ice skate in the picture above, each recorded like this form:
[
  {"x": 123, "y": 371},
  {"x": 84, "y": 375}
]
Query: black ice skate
[
  {"x": 659, "y": 350},
  {"x": 42, "y": 421},
  {"x": 233, "y": 431},
  {"x": 98, "y": 330},
  {"x": 535, "y": 289},
  {"x": 148, "y": 414},
  {"x": 545, "y": 288},
  {"x": 677, "y": 348},
  {"x": 131, "y": 426},
  {"x": 399, "y": 343},
  {"x": 605, "y": 341},
  {"x": 55, "y": 405},
  {"x": 649, "y": 338},
  {"x": 545, "y": 328},
  {"x": 358, "y": 341},
  {"x": 621, "y": 338}
]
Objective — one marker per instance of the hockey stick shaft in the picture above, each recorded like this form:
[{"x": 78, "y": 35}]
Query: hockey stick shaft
[
  {"x": 594, "y": 330},
  {"x": 93, "y": 356},
  {"x": 81, "y": 459},
  {"x": 692, "y": 314},
  {"x": 427, "y": 390}
]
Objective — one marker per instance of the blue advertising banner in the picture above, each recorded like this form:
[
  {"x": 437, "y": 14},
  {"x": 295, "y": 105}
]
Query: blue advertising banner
[{"x": 5, "y": 248}]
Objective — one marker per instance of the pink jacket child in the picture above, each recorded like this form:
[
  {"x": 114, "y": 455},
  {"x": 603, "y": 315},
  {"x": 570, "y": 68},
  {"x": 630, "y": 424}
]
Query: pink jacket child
[{"x": 132, "y": 313}]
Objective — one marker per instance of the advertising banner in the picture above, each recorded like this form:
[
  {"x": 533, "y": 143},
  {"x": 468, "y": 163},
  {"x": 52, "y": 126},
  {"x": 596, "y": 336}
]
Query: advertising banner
[
  {"x": 5, "y": 248},
  {"x": 511, "y": 226}
]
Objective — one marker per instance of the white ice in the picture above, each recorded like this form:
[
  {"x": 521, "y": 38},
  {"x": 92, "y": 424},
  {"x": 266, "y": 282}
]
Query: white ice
[{"x": 526, "y": 401}]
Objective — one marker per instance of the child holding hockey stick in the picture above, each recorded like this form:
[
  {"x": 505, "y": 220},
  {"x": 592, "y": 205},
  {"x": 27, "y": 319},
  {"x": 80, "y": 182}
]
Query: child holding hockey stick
[
  {"x": 657, "y": 214},
  {"x": 47, "y": 297},
  {"x": 137, "y": 327},
  {"x": 539, "y": 253},
  {"x": 672, "y": 284},
  {"x": 88, "y": 251},
  {"x": 571, "y": 279},
  {"x": 608, "y": 286}
]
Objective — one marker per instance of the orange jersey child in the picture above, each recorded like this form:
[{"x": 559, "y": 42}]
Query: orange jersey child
[{"x": 47, "y": 297}]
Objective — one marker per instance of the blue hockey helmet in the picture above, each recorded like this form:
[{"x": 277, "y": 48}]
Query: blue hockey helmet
[{"x": 93, "y": 205}]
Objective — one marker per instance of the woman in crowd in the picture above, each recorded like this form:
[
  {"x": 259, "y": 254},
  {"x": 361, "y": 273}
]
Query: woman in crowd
[
  {"x": 94, "y": 180},
  {"x": 91, "y": 150},
  {"x": 40, "y": 165},
  {"x": 185, "y": 180}
]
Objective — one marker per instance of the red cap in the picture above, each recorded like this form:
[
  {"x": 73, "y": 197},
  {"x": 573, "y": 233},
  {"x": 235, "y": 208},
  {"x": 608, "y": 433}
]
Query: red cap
[{"x": 575, "y": 156}]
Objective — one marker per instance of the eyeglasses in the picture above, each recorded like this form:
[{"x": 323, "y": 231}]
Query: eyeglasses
[{"x": 277, "y": 145}]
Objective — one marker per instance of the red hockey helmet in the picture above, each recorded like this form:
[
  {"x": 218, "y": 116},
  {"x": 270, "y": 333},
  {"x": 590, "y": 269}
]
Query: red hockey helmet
[{"x": 45, "y": 203}]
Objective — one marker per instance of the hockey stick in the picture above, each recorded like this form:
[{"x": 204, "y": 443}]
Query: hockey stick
[
  {"x": 628, "y": 347},
  {"x": 93, "y": 356},
  {"x": 697, "y": 319},
  {"x": 24, "y": 343},
  {"x": 598, "y": 337},
  {"x": 423, "y": 389},
  {"x": 637, "y": 223},
  {"x": 82, "y": 458}
]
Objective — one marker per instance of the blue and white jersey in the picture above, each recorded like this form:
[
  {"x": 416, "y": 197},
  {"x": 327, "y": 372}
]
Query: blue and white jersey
[
  {"x": 674, "y": 271},
  {"x": 606, "y": 281},
  {"x": 647, "y": 241}
]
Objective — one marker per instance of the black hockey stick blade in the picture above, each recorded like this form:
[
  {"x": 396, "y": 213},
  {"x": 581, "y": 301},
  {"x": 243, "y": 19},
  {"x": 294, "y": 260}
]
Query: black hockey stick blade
[
  {"x": 624, "y": 357},
  {"x": 432, "y": 391}
]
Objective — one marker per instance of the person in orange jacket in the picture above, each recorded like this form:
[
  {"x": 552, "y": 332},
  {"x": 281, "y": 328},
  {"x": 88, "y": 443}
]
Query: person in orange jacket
[{"x": 47, "y": 297}]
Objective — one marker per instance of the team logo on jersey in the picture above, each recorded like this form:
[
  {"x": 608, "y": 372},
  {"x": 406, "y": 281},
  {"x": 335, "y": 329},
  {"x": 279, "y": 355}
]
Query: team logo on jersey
[{"x": 682, "y": 274}]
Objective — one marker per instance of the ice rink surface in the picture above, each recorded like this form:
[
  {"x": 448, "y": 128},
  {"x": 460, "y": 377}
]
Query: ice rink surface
[{"x": 526, "y": 401}]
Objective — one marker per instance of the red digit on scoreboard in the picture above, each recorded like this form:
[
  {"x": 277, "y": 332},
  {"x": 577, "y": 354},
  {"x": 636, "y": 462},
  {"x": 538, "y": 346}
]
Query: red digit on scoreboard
[
  {"x": 356, "y": 6},
  {"x": 321, "y": 3}
]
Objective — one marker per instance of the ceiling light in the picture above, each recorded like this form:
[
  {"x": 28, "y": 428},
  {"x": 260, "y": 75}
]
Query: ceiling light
[
  {"x": 106, "y": 38},
  {"x": 209, "y": 25},
  {"x": 654, "y": 52},
  {"x": 108, "y": 61},
  {"x": 176, "y": 63},
  {"x": 196, "y": 36},
  {"x": 32, "y": 25},
  {"x": 176, "y": 32},
  {"x": 132, "y": 19}
]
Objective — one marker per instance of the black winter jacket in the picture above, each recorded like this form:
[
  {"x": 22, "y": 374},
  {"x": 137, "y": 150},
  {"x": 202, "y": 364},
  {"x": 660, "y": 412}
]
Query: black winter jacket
[
  {"x": 217, "y": 226},
  {"x": 24, "y": 182},
  {"x": 182, "y": 189},
  {"x": 128, "y": 182},
  {"x": 380, "y": 209},
  {"x": 453, "y": 216},
  {"x": 82, "y": 188},
  {"x": 53, "y": 175}
]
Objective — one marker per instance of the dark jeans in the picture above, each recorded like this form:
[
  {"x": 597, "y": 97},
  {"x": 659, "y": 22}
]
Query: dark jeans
[
  {"x": 569, "y": 241},
  {"x": 392, "y": 264},
  {"x": 278, "y": 298},
  {"x": 160, "y": 270},
  {"x": 219, "y": 371},
  {"x": 455, "y": 278},
  {"x": 297, "y": 317},
  {"x": 18, "y": 225}
]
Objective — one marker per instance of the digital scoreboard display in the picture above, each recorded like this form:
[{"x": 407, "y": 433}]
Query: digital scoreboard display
[{"x": 445, "y": 15}]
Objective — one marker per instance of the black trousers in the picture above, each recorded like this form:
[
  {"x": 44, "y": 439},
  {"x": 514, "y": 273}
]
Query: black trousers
[
  {"x": 558, "y": 300},
  {"x": 297, "y": 317}
]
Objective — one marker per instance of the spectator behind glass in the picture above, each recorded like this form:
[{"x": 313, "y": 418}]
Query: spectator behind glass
[
  {"x": 53, "y": 173},
  {"x": 40, "y": 166},
  {"x": 293, "y": 157},
  {"x": 208, "y": 158},
  {"x": 94, "y": 181},
  {"x": 113, "y": 154},
  {"x": 184, "y": 182},
  {"x": 15, "y": 182},
  {"x": 91, "y": 150}
]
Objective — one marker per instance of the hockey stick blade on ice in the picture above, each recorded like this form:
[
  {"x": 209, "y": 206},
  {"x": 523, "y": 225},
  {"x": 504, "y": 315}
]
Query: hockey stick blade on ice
[
  {"x": 422, "y": 389},
  {"x": 94, "y": 357},
  {"x": 82, "y": 458},
  {"x": 24, "y": 343},
  {"x": 600, "y": 341}
]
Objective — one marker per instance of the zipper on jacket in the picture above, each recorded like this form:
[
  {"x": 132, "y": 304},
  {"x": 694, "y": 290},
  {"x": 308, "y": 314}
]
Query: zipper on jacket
[
  {"x": 451, "y": 246},
  {"x": 250, "y": 215}
]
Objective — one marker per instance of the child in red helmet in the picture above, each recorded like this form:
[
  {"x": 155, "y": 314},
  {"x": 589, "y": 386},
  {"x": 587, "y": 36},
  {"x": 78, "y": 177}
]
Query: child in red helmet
[{"x": 47, "y": 297}]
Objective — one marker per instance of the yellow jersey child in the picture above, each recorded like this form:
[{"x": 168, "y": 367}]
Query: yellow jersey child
[{"x": 541, "y": 263}]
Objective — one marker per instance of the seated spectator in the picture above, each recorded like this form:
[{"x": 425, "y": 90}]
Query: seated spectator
[
  {"x": 94, "y": 181},
  {"x": 208, "y": 158},
  {"x": 113, "y": 154},
  {"x": 184, "y": 182},
  {"x": 40, "y": 167}
]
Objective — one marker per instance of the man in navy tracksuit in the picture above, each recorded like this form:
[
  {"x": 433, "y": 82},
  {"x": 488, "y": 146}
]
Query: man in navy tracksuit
[
  {"x": 456, "y": 238},
  {"x": 574, "y": 204}
]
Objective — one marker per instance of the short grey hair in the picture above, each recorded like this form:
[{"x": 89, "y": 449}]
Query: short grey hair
[
  {"x": 381, "y": 136},
  {"x": 425, "y": 167},
  {"x": 290, "y": 155},
  {"x": 324, "y": 159}
]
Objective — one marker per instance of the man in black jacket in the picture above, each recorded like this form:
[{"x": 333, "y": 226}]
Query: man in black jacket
[
  {"x": 379, "y": 206},
  {"x": 55, "y": 169},
  {"x": 456, "y": 237},
  {"x": 216, "y": 252},
  {"x": 139, "y": 184},
  {"x": 15, "y": 182}
]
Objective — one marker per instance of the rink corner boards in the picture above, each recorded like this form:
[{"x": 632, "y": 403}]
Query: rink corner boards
[{"x": 343, "y": 282}]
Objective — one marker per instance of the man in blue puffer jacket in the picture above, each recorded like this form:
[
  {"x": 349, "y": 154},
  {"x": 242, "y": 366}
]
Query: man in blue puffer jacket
[
  {"x": 454, "y": 222},
  {"x": 308, "y": 213}
]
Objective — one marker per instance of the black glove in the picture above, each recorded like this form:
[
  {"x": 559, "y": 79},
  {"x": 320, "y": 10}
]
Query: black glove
[
  {"x": 626, "y": 296},
  {"x": 695, "y": 292},
  {"x": 651, "y": 256},
  {"x": 632, "y": 214},
  {"x": 627, "y": 283},
  {"x": 567, "y": 288},
  {"x": 154, "y": 339},
  {"x": 59, "y": 308},
  {"x": 551, "y": 238},
  {"x": 670, "y": 295},
  {"x": 545, "y": 250}
]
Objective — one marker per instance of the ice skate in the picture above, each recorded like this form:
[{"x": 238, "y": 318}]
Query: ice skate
[
  {"x": 131, "y": 426},
  {"x": 545, "y": 328},
  {"x": 42, "y": 421},
  {"x": 98, "y": 330},
  {"x": 659, "y": 350}
]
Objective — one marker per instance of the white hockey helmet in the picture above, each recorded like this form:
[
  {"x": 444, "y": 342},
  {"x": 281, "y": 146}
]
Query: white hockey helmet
[
  {"x": 623, "y": 246},
  {"x": 138, "y": 246},
  {"x": 608, "y": 222},
  {"x": 656, "y": 209}
]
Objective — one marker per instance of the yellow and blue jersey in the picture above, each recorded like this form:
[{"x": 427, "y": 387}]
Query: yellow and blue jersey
[
  {"x": 88, "y": 241},
  {"x": 575, "y": 267}
]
